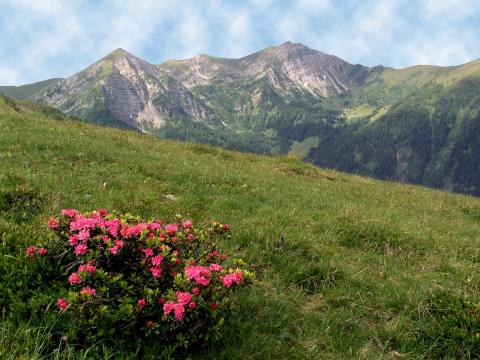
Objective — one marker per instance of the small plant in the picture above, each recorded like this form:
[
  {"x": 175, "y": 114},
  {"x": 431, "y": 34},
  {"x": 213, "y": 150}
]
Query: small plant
[{"x": 128, "y": 279}]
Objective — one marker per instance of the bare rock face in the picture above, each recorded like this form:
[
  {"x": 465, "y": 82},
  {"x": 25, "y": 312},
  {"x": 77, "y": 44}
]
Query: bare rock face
[
  {"x": 286, "y": 66},
  {"x": 127, "y": 89}
]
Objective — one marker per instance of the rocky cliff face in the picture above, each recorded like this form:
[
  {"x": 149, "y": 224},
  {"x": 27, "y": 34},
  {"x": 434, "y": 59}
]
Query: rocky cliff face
[
  {"x": 127, "y": 89},
  {"x": 286, "y": 66}
]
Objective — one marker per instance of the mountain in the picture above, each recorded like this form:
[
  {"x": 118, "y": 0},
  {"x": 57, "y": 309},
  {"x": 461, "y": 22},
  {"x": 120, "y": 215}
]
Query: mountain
[
  {"x": 126, "y": 91},
  {"x": 29, "y": 90},
  {"x": 418, "y": 125},
  {"x": 346, "y": 267}
]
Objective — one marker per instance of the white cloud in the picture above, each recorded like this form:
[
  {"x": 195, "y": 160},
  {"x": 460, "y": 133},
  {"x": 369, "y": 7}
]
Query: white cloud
[{"x": 47, "y": 38}]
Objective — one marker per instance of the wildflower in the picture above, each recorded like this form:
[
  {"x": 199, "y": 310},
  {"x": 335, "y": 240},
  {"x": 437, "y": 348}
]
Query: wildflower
[
  {"x": 192, "y": 305},
  {"x": 74, "y": 278},
  {"x": 156, "y": 271},
  {"x": 86, "y": 291},
  {"x": 214, "y": 253},
  {"x": 168, "y": 307},
  {"x": 215, "y": 267},
  {"x": 41, "y": 251},
  {"x": 113, "y": 250},
  {"x": 52, "y": 223},
  {"x": 157, "y": 260},
  {"x": 187, "y": 224},
  {"x": 141, "y": 303},
  {"x": 162, "y": 301},
  {"x": 178, "y": 311},
  {"x": 148, "y": 252},
  {"x": 200, "y": 274},
  {"x": 226, "y": 227},
  {"x": 118, "y": 243},
  {"x": 80, "y": 249},
  {"x": 62, "y": 303},
  {"x": 150, "y": 324},
  {"x": 234, "y": 278},
  {"x": 87, "y": 267},
  {"x": 69, "y": 212},
  {"x": 105, "y": 239},
  {"x": 31, "y": 250},
  {"x": 102, "y": 212},
  {"x": 171, "y": 228},
  {"x": 73, "y": 240},
  {"x": 191, "y": 237},
  {"x": 214, "y": 306},
  {"x": 83, "y": 235},
  {"x": 183, "y": 297},
  {"x": 196, "y": 291}
]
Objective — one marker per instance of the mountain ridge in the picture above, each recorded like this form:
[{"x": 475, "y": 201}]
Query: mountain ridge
[{"x": 417, "y": 124}]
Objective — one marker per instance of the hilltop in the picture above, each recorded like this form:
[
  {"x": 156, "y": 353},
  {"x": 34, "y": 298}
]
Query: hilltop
[{"x": 346, "y": 266}]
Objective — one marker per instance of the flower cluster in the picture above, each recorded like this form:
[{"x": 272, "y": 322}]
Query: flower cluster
[{"x": 164, "y": 278}]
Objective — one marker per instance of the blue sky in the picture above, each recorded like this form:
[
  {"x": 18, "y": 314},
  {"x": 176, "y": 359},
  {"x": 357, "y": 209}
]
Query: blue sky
[{"x": 41, "y": 39}]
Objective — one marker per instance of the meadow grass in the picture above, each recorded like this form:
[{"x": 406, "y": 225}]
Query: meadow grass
[{"x": 346, "y": 267}]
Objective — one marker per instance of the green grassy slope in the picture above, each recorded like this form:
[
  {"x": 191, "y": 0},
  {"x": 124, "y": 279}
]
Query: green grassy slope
[
  {"x": 29, "y": 90},
  {"x": 347, "y": 267}
]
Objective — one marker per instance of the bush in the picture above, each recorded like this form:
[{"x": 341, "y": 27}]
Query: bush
[{"x": 127, "y": 279}]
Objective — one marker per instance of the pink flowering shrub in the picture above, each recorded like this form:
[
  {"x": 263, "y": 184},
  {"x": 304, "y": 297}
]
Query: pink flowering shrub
[{"x": 126, "y": 277}]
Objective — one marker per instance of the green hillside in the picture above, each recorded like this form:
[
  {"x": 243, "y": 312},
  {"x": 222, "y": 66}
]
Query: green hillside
[
  {"x": 27, "y": 91},
  {"x": 346, "y": 267}
]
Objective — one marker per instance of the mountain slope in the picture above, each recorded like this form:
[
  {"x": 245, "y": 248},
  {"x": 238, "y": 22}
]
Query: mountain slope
[
  {"x": 417, "y": 124},
  {"x": 124, "y": 90},
  {"x": 375, "y": 267},
  {"x": 29, "y": 90}
]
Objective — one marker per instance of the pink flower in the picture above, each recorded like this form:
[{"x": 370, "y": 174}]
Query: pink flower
[
  {"x": 62, "y": 303},
  {"x": 215, "y": 267},
  {"x": 150, "y": 324},
  {"x": 214, "y": 253},
  {"x": 178, "y": 311},
  {"x": 157, "y": 260},
  {"x": 102, "y": 212},
  {"x": 171, "y": 228},
  {"x": 105, "y": 239},
  {"x": 226, "y": 226},
  {"x": 87, "y": 267},
  {"x": 80, "y": 249},
  {"x": 31, "y": 250},
  {"x": 52, "y": 223},
  {"x": 141, "y": 303},
  {"x": 214, "y": 306},
  {"x": 187, "y": 224},
  {"x": 154, "y": 226},
  {"x": 156, "y": 271},
  {"x": 192, "y": 305},
  {"x": 118, "y": 243},
  {"x": 113, "y": 249},
  {"x": 69, "y": 212},
  {"x": 42, "y": 251},
  {"x": 168, "y": 307},
  {"x": 234, "y": 278},
  {"x": 83, "y": 235},
  {"x": 148, "y": 252},
  {"x": 113, "y": 226},
  {"x": 73, "y": 240},
  {"x": 183, "y": 297},
  {"x": 190, "y": 237},
  {"x": 88, "y": 291},
  {"x": 74, "y": 278},
  {"x": 200, "y": 274},
  {"x": 196, "y": 291}
]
